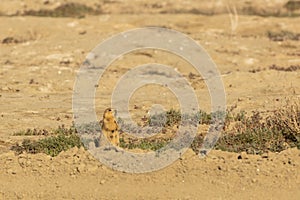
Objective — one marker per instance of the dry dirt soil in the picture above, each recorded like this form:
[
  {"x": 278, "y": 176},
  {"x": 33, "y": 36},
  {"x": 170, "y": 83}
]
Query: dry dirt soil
[{"x": 39, "y": 59}]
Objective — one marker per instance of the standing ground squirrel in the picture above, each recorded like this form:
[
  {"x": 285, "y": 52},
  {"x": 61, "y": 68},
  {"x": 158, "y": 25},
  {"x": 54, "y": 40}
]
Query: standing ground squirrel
[{"x": 110, "y": 128}]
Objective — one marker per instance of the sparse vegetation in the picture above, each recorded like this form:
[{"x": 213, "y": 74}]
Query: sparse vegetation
[
  {"x": 283, "y": 35},
  {"x": 253, "y": 133},
  {"x": 290, "y": 68},
  {"x": 292, "y": 5},
  {"x": 58, "y": 140},
  {"x": 37, "y": 132},
  {"x": 290, "y": 9},
  {"x": 51, "y": 145},
  {"x": 144, "y": 144},
  {"x": 65, "y": 10}
]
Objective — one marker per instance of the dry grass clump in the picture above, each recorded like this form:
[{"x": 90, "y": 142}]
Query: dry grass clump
[
  {"x": 287, "y": 120},
  {"x": 256, "y": 135},
  {"x": 290, "y": 68},
  {"x": 283, "y": 35},
  {"x": 65, "y": 10}
]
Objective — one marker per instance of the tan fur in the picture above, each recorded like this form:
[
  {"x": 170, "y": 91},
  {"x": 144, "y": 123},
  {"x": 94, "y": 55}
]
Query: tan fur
[{"x": 110, "y": 128}]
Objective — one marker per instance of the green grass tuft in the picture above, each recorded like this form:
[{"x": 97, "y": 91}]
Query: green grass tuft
[{"x": 58, "y": 140}]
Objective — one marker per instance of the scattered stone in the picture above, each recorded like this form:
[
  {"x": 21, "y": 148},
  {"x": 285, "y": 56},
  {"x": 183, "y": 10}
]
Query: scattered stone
[
  {"x": 11, "y": 171},
  {"x": 10, "y": 40},
  {"x": 22, "y": 162},
  {"x": 82, "y": 32},
  {"x": 73, "y": 176},
  {"x": 52, "y": 168},
  {"x": 243, "y": 155},
  {"x": 265, "y": 155},
  {"x": 66, "y": 60},
  {"x": 5, "y": 89},
  {"x": 81, "y": 168}
]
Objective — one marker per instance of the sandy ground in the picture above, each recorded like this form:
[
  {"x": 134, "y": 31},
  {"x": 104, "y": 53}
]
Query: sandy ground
[{"x": 39, "y": 59}]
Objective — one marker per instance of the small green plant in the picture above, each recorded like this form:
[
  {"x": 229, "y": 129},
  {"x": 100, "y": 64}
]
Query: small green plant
[
  {"x": 51, "y": 145},
  {"x": 144, "y": 144},
  {"x": 58, "y": 140},
  {"x": 173, "y": 117}
]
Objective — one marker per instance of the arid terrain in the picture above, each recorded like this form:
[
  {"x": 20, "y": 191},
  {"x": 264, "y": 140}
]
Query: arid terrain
[{"x": 255, "y": 45}]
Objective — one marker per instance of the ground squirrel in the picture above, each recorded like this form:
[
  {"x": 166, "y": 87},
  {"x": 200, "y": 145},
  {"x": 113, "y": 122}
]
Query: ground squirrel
[{"x": 110, "y": 128}]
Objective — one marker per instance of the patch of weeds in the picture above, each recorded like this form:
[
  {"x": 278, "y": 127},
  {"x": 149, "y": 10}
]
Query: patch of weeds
[
  {"x": 257, "y": 70},
  {"x": 65, "y": 131},
  {"x": 283, "y": 35},
  {"x": 251, "y": 10},
  {"x": 252, "y": 142},
  {"x": 65, "y": 10},
  {"x": 32, "y": 132},
  {"x": 167, "y": 122},
  {"x": 15, "y": 40},
  {"x": 11, "y": 40},
  {"x": 144, "y": 144},
  {"x": 292, "y": 5},
  {"x": 158, "y": 120},
  {"x": 256, "y": 135},
  {"x": 287, "y": 120},
  {"x": 203, "y": 117},
  {"x": 173, "y": 117},
  {"x": 291, "y": 68},
  {"x": 197, "y": 142},
  {"x": 170, "y": 118},
  {"x": 189, "y": 11},
  {"x": 88, "y": 128},
  {"x": 58, "y": 140},
  {"x": 51, "y": 145},
  {"x": 39, "y": 132},
  {"x": 252, "y": 133}
]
